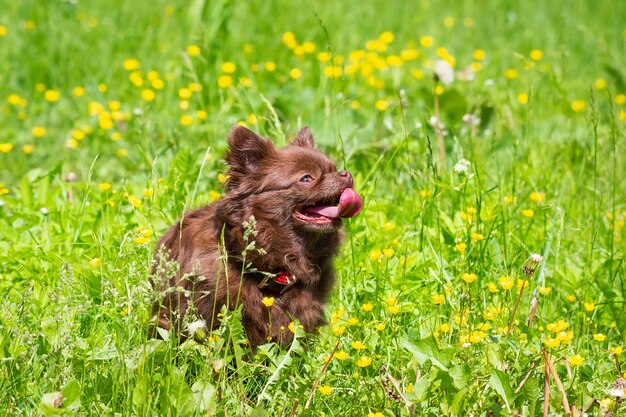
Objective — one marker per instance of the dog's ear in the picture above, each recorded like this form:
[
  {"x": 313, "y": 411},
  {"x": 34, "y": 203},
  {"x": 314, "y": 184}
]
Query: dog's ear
[
  {"x": 246, "y": 150},
  {"x": 304, "y": 138}
]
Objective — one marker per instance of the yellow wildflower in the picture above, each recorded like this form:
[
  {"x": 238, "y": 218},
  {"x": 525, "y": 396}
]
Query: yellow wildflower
[
  {"x": 375, "y": 254},
  {"x": 417, "y": 73},
  {"x": 576, "y": 360},
  {"x": 338, "y": 330},
  {"x": 325, "y": 389},
  {"x": 52, "y": 96},
  {"x": 131, "y": 64},
  {"x": 510, "y": 73},
  {"x": 358, "y": 345},
  {"x": 589, "y": 306},
  {"x": 224, "y": 81},
  {"x": 186, "y": 120},
  {"x": 267, "y": 301},
  {"x": 552, "y": 342},
  {"x": 295, "y": 73},
  {"x": 352, "y": 321},
  {"x": 148, "y": 94},
  {"x": 386, "y": 37},
  {"x": 193, "y": 50},
  {"x": 367, "y": 307},
  {"x": 341, "y": 355},
  {"x": 492, "y": 287},
  {"x": 558, "y": 326},
  {"x": 38, "y": 131},
  {"x": 545, "y": 290},
  {"x": 506, "y": 282},
  {"x": 104, "y": 186},
  {"x": 95, "y": 262},
  {"x": 5, "y": 147},
  {"x": 308, "y": 47},
  {"x": 393, "y": 309},
  {"x": 578, "y": 105},
  {"x": 289, "y": 39},
  {"x": 599, "y": 337},
  {"x": 479, "y": 54},
  {"x": 228, "y": 67},
  {"x": 537, "y": 196},
  {"x": 140, "y": 240},
  {"x": 449, "y": 22},
  {"x": 461, "y": 246},
  {"x": 477, "y": 336},
  {"x": 427, "y": 41},
  {"x": 438, "y": 298},
  {"x": 380, "y": 327},
  {"x": 469, "y": 278},
  {"x": 477, "y": 236},
  {"x": 381, "y": 105},
  {"x": 134, "y": 201},
  {"x": 364, "y": 361},
  {"x": 536, "y": 54},
  {"x": 528, "y": 212},
  {"x": 522, "y": 98}
]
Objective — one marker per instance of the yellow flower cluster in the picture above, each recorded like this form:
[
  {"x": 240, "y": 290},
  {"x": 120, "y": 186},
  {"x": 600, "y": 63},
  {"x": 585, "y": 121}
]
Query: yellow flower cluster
[
  {"x": 560, "y": 337},
  {"x": 142, "y": 234},
  {"x": 378, "y": 255}
]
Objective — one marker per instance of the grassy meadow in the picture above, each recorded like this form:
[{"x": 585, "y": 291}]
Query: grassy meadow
[{"x": 485, "y": 275}]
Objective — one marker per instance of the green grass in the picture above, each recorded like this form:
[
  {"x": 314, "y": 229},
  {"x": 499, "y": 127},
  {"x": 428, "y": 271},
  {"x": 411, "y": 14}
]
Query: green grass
[{"x": 545, "y": 176}]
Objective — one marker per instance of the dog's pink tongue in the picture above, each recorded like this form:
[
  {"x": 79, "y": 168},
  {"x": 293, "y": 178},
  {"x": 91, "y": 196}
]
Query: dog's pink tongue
[{"x": 350, "y": 204}]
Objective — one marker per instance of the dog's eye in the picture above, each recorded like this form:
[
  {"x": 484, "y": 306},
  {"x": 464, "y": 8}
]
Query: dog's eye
[{"x": 306, "y": 178}]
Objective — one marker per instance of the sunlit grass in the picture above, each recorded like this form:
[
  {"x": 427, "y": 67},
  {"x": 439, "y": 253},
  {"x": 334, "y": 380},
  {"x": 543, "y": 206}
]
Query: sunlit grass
[{"x": 480, "y": 136}]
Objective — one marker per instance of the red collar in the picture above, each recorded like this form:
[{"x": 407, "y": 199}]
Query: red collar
[{"x": 280, "y": 282}]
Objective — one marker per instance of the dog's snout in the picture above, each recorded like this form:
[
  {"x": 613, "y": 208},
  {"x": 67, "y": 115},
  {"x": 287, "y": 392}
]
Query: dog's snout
[{"x": 346, "y": 176}]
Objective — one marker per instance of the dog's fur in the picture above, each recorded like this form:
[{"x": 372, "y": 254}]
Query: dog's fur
[{"x": 266, "y": 183}]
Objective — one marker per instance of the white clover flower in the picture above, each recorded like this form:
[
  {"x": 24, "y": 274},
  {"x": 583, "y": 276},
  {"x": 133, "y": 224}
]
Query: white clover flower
[
  {"x": 462, "y": 167},
  {"x": 618, "y": 388},
  {"x": 195, "y": 327},
  {"x": 471, "y": 119},
  {"x": 436, "y": 123},
  {"x": 444, "y": 71}
]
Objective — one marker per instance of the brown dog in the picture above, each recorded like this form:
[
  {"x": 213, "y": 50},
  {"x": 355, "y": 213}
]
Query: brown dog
[{"x": 293, "y": 201}]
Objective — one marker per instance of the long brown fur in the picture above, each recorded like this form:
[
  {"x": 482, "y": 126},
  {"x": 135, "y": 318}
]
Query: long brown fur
[{"x": 263, "y": 182}]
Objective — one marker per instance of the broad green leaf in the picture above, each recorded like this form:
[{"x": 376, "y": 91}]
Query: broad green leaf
[
  {"x": 499, "y": 381},
  {"x": 426, "y": 349}
]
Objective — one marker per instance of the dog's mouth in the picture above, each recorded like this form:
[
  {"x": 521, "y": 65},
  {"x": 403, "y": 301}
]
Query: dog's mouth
[{"x": 347, "y": 205}]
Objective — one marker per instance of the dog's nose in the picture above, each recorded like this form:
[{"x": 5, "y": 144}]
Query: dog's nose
[{"x": 345, "y": 174}]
